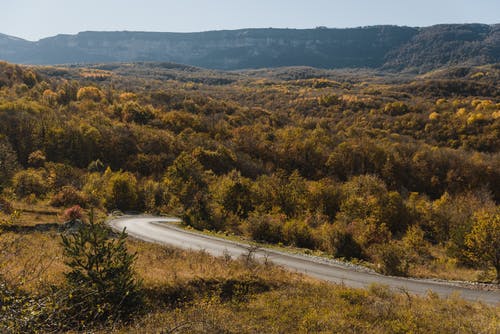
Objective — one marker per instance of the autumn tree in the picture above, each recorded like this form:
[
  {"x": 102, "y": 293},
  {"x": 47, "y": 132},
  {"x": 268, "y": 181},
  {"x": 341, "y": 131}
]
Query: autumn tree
[
  {"x": 30, "y": 181},
  {"x": 90, "y": 93},
  {"x": 483, "y": 242},
  {"x": 121, "y": 192},
  {"x": 8, "y": 161},
  {"x": 234, "y": 194},
  {"x": 187, "y": 190}
]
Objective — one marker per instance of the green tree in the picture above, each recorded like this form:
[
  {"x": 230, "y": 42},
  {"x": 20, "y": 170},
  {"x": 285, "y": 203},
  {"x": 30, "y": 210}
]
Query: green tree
[
  {"x": 188, "y": 191},
  {"x": 233, "y": 193},
  {"x": 101, "y": 281},
  {"x": 483, "y": 242},
  {"x": 122, "y": 192},
  {"x": 366, "y": 199},
  {"x": 283, "y": 191}
]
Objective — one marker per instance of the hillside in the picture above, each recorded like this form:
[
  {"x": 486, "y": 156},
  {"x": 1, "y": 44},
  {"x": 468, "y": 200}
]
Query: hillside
[
  {"x": 385, "y": 47},
  {"x": 398, "y": 173}
]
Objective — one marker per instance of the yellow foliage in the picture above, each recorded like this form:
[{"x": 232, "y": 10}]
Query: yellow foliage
[
  {"x": 49, "y": 96},
  {"x": 440, "y": 102},
  {"x": 95, "y": 74},
  {"x": 477, "y": 75},
  {"x": 484, "y": 104},
  {"x": 128, "y": 96},
  {"x": 90, "y": 93},
  {"x": 434, "y": 116},
  {"x": 461, "y": 112},
  {"x": 475, "y": 118}
]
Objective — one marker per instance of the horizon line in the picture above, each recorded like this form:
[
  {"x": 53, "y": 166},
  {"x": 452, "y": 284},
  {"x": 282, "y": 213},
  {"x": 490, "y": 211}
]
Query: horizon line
[{"x": 240, "y": 29}]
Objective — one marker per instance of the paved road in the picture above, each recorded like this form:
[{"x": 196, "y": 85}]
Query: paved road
[{"x": 157, "y": 230}]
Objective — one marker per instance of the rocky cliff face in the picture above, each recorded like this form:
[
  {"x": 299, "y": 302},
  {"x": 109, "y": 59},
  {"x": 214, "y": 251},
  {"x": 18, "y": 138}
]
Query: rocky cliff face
[{"x": 388, "y": 47}]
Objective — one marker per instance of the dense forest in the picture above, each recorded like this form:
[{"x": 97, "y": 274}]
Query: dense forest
[
  {"x": 357, "y": 169},
  {"x": 400, "y": 173}
]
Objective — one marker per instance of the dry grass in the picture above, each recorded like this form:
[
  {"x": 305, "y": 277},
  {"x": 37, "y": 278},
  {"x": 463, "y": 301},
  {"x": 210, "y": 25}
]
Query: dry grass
[
  {"x": 444, "y": 267},
  {"x": 35, "y": 213},
  {"x": 322, "y": 308},
  {"x": 40, "y": 254},
  {"x": 193, "y": 292}
]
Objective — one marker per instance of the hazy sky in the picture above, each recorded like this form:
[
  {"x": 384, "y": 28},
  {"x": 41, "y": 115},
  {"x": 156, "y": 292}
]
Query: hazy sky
[{"x": 34, "y": 19}]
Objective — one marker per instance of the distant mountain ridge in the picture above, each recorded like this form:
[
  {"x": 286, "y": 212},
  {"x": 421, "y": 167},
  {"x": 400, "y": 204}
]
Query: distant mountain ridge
[{"x": 384, "y": 47}]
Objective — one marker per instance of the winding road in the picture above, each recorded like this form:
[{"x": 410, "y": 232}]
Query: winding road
[{"x": 158, "y": 230}]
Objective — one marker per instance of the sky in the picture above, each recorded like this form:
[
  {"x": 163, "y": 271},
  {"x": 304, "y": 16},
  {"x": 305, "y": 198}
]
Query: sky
[{"x": 35, "y": 19}]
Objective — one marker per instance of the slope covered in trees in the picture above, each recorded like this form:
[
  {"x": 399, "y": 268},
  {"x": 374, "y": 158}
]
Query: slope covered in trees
[
  {"x": 357, "y": 168},
  {"x": 400, "y": 173},
  {"x": 388, "y": 47}
]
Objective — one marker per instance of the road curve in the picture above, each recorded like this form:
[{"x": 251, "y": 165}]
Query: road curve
[{"x": 157, "y": 230}]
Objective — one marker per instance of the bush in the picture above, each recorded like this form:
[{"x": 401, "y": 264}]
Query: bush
[
  {"x": 265, "y": 227},
  {"x": 63, "y": 175},
  {"x": 396, "y": 108},
  {"x": 68, "y": 196},
  {"x": 92, "y": 189},
  {"x": 233, "y": 194},
  {"x": 101, "y": 282},
  {"x": 151, "y": 196},
  {"x": 391, "y": 259},
  {"x": 298, "y": 233},
  {"x": 73, "y": 213},
  {"x": 121, "y": 192},
  {"x": 29, "y": 182},
  {"x": 415, "y": 244},
  {"x": 338, "y": 241}
]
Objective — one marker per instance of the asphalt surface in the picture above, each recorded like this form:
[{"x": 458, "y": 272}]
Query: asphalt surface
[{"x": 157, "y": 230}]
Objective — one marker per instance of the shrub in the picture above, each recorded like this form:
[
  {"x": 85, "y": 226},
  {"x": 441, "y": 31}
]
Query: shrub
[
  {"x": 233, "y": 193},
  {"x": 68, "y": 196},
  {"x": 415, "y": 244},
  {"x": 92, "y": 189},
  {"x": 101, "y": 282},
  {"x": 391, "y": 259},
  {"x": 151, "y": 195},
  {"x": 298, "y": 233},
  {"x": 29, "y": 182},
  {"x": 63, "y": 175},
  {"x": 73, "y": 213},
  {"x": 265, "y": 227},
  {"x": 338, "y": 241},
  {"x": 121, "y": 192}
]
